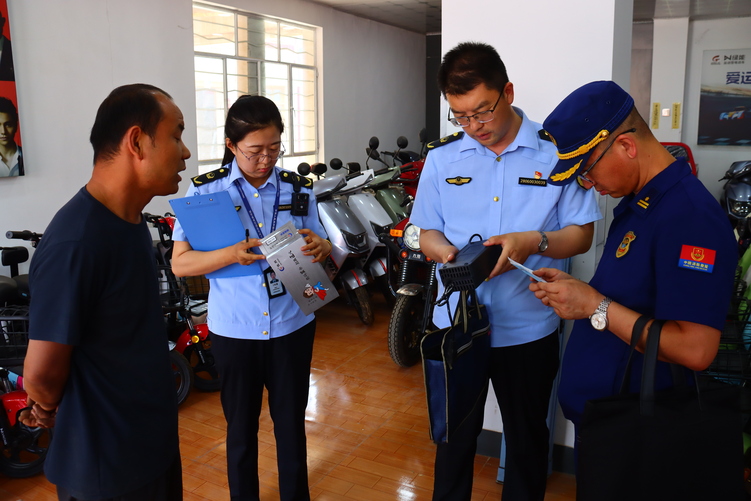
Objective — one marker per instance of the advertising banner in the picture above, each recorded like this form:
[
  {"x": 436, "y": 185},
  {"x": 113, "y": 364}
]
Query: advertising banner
[
  {"x": 11, "y": 158},
  {"x": 725, "y": 101}
]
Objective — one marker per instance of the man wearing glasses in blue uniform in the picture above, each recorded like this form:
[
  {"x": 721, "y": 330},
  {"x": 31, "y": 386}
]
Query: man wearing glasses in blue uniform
[{"x": 491, "y": 179}]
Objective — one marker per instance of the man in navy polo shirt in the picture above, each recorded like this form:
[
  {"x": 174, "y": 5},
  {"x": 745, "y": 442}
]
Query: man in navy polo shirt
[
  {"x": 670, "y": 251},
  {"x": 97, "y": 366}
]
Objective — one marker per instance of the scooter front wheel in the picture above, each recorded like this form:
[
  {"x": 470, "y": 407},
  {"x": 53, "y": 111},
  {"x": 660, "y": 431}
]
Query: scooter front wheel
[
  {"x": 405, "y": 329},
  {"x": 360, "y": 299},
  {"x": 182, "y": 373},
  {"x": 24, "y": 455}
]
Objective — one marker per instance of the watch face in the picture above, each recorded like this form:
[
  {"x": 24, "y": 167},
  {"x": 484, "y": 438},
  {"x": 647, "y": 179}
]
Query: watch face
[
  {"x": 543, "y": 245},
  {"x": 599, "y": 321}
]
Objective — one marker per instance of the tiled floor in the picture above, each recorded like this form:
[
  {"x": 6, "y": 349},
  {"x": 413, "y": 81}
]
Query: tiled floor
[{"x": 366, "y": 424}]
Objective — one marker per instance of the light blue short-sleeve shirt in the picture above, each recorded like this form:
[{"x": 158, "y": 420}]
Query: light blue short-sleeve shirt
[
  {"x": 466, "y": 189},
  {"x": 239, "y": 307}
]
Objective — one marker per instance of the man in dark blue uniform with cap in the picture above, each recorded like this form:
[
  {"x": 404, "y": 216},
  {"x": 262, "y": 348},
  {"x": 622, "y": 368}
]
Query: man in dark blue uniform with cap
[{"x": 670, "y": 251}]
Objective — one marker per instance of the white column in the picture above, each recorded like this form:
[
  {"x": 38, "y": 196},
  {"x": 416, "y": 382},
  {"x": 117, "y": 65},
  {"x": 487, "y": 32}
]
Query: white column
[{"x": 668, "y": 78}]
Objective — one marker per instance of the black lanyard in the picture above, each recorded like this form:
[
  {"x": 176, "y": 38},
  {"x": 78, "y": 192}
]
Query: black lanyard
[{"x": 236, "y": 182}]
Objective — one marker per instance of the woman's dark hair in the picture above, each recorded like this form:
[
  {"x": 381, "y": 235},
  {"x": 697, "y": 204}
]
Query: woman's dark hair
[
  {"x": 7, "y": 107},
  {"x": 125, "y": 107},
  {"x": 468, "y": 65},
  {"x": 249, "y": 114}
]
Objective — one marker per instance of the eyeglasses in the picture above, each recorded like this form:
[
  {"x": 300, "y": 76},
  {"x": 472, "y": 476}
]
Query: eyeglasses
[
  {"x": 583, "y": 175},
  {"x": 482, "y": 118},
  {"x": 260, "y": 157}
]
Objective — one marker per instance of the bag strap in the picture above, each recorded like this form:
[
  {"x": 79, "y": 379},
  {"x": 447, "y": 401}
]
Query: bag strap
[
  {"x": 636, "y": 334},
  {"x": 649, "y": 369}
]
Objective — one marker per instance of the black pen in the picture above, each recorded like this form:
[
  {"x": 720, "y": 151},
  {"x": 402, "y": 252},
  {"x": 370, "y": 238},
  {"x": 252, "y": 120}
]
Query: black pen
[{"x": 247, "y": 236}]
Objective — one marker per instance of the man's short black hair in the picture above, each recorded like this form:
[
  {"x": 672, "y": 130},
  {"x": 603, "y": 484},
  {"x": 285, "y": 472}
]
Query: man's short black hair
[
  {"x": 125, "y": 107},
  {"x": 468, "y": 65},
  {"x": 7, "y": 107}
]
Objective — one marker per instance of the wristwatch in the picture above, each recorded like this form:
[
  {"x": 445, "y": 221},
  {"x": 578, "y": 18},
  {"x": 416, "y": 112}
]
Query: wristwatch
[
  {"x": 599, "y": 319},
  {"x": 543, "y": 245}
]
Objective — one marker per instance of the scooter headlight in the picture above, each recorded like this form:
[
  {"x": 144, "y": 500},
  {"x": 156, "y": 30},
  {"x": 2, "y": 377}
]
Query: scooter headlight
[
  {"x": 412, "y": 237},
  {"x": 740, "y": 208},
  {"x": 356, "y": 243}
]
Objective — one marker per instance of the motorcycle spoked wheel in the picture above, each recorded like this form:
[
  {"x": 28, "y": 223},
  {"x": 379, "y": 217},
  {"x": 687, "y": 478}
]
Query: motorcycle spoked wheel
[
  {"x": 182, "y": 373},
  {"x": 405, "y": 329},
  {"x": 360, "y": 299},
  {"x": 205, "y": 375},
  {"x": 24, "y": 456}
]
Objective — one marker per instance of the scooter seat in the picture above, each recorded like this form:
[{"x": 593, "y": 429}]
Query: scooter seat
[
  {"x": 23, "y": 287},
  {"x": 8, "y": 290}
]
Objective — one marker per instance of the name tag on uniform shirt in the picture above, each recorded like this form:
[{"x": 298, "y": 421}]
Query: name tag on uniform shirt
[{"x": 532, "y": 181}]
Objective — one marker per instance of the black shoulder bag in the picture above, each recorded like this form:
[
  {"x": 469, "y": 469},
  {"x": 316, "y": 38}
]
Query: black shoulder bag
[
  {"x": 455, "y": 362},
  {"x": 683, "y": 443}
]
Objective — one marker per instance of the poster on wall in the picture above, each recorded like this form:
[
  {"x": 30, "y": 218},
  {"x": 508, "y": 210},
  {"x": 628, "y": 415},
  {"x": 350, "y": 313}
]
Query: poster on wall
[
  {"x": 725, "y": 101},
  {"x": 11, "y": 159}
]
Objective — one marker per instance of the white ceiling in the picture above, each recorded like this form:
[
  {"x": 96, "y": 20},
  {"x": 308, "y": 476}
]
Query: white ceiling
[{"x": 424, "y": 16}]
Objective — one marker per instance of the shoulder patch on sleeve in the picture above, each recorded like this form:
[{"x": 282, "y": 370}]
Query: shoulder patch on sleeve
[
  {"x": 291, "y": 177},
  {"x": 545, "y": 136},
  {"x": 210, "y": 176},
  {"x": 445, "y": 140}
]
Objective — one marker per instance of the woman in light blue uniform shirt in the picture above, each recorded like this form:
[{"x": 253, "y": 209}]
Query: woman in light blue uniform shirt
[{"x": 260, "y": 337}]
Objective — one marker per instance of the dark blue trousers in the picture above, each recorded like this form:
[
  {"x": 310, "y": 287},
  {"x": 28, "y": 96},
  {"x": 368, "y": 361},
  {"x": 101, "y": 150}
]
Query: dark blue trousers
[
  {"x": 282, "y": 366},
  {"x": 522, "y": 379}
]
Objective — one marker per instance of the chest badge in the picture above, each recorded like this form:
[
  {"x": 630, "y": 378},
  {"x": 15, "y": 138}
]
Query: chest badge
[
  {"x": 625, "y": 244},
  {"x": 458, "y": 180}
]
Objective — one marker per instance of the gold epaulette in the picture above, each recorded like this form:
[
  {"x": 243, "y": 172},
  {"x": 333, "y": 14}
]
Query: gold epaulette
[
  {"x": 291, "y": 177},
  {"x": 445, "y": 140},
  {"x": 208, "y": 177}
]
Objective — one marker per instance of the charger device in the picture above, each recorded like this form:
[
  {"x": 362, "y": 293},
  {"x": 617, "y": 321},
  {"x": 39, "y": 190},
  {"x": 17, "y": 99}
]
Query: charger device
[{"x": 471, "y": 267}]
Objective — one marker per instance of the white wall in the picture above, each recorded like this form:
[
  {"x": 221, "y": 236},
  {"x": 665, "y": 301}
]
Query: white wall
[
  {"x": 70, "y": 55},
  {"x": 721, "y": 34}
]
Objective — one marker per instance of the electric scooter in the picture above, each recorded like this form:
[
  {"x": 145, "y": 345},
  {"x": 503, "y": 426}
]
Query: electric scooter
[
  {"x": 374, "y": 218},
  {"x": 348, "y": 237}
]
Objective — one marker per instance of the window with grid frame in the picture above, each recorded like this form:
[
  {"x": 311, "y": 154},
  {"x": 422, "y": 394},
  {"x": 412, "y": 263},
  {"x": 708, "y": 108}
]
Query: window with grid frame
[{"x": 239, "y": 53}]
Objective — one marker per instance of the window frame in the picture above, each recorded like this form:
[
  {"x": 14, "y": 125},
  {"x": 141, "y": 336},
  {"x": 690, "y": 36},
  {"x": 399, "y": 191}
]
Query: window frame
[{"x": 290, "y": 117}]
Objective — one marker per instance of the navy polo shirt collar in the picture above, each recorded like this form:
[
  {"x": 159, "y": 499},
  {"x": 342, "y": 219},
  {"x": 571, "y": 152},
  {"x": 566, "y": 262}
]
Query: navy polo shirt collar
[{"x": 651, "y": 194}]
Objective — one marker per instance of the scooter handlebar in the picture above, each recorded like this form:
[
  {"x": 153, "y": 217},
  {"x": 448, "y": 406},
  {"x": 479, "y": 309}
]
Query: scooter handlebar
[{"x": 23, "y": 235}]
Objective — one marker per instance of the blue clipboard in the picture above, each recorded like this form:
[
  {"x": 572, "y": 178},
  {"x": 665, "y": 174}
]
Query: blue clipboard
[{"x": 211, "y": 222}]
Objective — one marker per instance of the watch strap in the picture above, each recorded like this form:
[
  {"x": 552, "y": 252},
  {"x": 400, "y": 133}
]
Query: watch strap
[{"x": 603, "y": 306}]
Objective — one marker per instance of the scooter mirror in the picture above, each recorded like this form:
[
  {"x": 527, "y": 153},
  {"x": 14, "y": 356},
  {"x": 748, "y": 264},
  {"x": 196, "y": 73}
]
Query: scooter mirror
[
  {"x": 319, "y": 168},
  {"x": 373, "y": 143},
  {"x": 353, "y": 167},
  {"x": 303, "y": 169},
  {"x": 336, "y": 164},
  {"x": 373, "y": 154},
  {"x": 402, "y": 142},
  {"x": 423, "y": 135}
]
